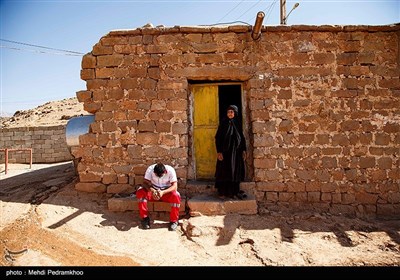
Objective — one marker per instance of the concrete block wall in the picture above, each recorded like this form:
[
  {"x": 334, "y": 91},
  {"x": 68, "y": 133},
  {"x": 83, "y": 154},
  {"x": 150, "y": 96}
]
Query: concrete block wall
[
  {"x": 322, "y": 106},
  {"x": 48, "y": 144}
]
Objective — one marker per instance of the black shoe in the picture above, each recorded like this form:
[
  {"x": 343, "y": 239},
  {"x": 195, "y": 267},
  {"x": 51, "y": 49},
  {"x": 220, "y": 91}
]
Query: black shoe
[
  {"x": 241, "y": 195},
  {"x": 173, "y": 226},
  {"x": 146, "y": 223}
]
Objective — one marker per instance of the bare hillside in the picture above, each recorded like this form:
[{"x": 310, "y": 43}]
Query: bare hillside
[{"x": 48, "y": 114}]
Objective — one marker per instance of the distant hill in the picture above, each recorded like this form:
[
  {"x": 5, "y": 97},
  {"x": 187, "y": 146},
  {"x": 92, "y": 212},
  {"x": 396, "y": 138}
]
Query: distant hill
[{"x": 48, "y": 114}]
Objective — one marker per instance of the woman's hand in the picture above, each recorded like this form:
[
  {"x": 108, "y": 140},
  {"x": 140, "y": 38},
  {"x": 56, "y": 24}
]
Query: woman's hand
[{"x": 220, "y": 157}]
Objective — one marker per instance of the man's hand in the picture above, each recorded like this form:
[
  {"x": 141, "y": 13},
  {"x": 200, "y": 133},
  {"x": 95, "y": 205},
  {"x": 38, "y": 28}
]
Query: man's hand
[{"x": 156, "y": 193}]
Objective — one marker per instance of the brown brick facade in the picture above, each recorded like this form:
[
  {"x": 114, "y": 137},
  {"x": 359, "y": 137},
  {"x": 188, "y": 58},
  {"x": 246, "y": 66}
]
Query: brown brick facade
[{"x": 321, "y": 102}]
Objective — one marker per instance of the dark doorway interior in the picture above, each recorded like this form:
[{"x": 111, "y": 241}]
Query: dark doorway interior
[{"x": 229, "y": 95}]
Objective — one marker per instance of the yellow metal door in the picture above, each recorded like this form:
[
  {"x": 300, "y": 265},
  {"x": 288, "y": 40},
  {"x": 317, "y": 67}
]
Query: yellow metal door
[{"x": 205, "y": 119}]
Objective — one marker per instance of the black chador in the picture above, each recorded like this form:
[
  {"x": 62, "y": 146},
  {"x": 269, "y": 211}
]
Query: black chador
[{"x": 231, "y": 143}]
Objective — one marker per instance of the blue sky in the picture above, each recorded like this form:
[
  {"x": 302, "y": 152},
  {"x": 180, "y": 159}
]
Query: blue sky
[{"x": 31, "y": 76}]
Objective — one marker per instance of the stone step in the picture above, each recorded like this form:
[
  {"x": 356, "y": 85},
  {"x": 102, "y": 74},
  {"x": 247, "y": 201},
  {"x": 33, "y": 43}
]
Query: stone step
[
  {"x": 130, "y": 203},
  {"x": 201, "y": 204},
  {"x": 206, "y": 204}
]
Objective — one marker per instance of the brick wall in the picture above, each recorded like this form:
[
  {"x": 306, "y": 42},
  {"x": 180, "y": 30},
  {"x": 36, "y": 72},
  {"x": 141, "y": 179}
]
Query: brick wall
[
  {"x": 48, "y": 144},
  {"x": 321, "y": 104}
]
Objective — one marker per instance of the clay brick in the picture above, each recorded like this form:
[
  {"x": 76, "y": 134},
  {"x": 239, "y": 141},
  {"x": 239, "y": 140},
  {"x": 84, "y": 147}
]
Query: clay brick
[
  {"x": 263, "y": 140},
  {"x": 265, "y": 163},
  {"x": 346, "y": 58},
  {"x": 147, "y": 138},
  {"x": 388, "y": 210},
  {"x": 146, "y": 126},
  {"x": 270, "y": 186},
  {"x": 322, "y": 139},
  {"x": 296, "y": 187},
  {"x": 306, "y": 139},
  {"x": 177, "y": 105},
  {"x": 391, "y": 128},
  {"x": 313, "y": 196},
  {"x": 348, "y": 198},
  {"x": 394, "y": 173},
  {"x": 331, "y": 151},
  {"x": 109, "y": 60},
  {"x": 286, "y": 196},
  {"x": 115, "y": 94},
  {"x": 306, "y": 174},
  {"x": 385, "y": 163},
  {"x": 120, "y": 188},
  {"x": 88, "y": 61},
  {"x": 294, "y": 152},
  {"x": 350, "y": 125},
  {"x": 87, "y": 74},
  {"x": 367, "y": 162},
  {"x": 271, "y": 175},
  {"x": 284, "y": 94},
  {"x": 313, "y": 186},
  {"x": 378, "y": 175},
  {"x": 84, "y": 95},
  {"x": 90, "y": 187},
  {"x": 326, "y": 197},
  {"x": 366, "y": 198},
  {"x": 392, "y": 83},
  {"x": 109, "y": 179},
  {"x": 323, "y": 58},
  {"x": 393, "y": 197},
  {"x": 282, "y": 82},
  {"x": 130, "y": 83},
  {"x": 360, "y": 71},
  {"x": 300, "y": 196},
  {"x": 285, "y": 125},
  {"x": 179, "y": 128},
  {"x": 328, "y": 187},
  {"x": 336, "y": 198}
]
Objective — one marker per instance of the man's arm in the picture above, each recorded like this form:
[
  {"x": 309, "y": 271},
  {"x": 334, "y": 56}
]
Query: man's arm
[
  {"x": 147, "y": 185},
  {"x": 173, "y": 187}
]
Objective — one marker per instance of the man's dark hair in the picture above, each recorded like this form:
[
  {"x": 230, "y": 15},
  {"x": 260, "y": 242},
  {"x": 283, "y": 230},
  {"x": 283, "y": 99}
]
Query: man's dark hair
[{"x": 159, "y": 169}]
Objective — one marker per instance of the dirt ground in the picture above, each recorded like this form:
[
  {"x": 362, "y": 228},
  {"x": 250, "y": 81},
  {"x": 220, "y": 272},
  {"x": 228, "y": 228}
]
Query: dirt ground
[{"x": 46, "y": 222}]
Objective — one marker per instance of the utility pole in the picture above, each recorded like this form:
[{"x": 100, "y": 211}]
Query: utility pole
[
  {"x": 283, "y": 11},
  {"x": 284, "y": 17}
]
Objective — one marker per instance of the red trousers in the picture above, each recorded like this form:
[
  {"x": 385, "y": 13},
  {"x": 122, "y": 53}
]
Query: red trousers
[{"x": 174, "y": 198}]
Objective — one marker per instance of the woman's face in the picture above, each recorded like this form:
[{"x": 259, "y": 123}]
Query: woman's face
[{"x": 230, "y": 114}]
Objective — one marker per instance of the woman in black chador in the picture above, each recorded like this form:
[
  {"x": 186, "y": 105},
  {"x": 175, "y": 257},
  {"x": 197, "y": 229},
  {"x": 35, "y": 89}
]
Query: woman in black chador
[{"x": 231, "y": 153}]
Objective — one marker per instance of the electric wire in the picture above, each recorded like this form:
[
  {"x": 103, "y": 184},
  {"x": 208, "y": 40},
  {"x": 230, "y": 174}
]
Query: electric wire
[
  {"x": 249, "y": 9},
  {"x": 43, "y": 47},
  {"x": 230, "y": 11},
  {"x": 38, "y": 51}
]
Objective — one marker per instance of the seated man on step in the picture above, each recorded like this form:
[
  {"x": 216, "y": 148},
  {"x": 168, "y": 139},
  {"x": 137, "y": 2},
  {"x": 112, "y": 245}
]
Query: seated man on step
[{"x": 160, "y": 183}]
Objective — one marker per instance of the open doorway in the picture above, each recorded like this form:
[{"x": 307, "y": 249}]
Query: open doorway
[
  {"x": 210, "y": 101},
  {"x": 229, "y": 95}
]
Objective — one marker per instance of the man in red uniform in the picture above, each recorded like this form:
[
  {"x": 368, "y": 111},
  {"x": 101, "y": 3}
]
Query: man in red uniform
[{"x": 160, "y": 183}]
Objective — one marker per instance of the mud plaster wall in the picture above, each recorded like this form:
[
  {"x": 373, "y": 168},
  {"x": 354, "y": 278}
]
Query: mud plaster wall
[{"x": 322, "y": 106}]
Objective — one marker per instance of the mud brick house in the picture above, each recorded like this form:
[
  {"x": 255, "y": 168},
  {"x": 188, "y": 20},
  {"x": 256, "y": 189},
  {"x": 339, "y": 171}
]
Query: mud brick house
[{"x": 320, "y": 107}]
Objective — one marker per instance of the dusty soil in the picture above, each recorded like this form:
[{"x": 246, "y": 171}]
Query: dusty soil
[{"x": 45, "y": 222}]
